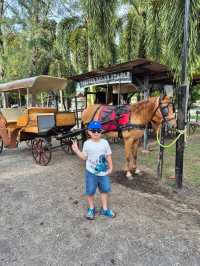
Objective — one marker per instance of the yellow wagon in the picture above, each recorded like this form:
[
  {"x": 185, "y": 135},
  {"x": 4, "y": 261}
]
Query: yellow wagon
[{"x": 35, "y": 124}]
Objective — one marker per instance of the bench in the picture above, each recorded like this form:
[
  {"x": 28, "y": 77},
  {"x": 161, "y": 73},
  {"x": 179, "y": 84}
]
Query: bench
[{"x": 12, "y": 114}]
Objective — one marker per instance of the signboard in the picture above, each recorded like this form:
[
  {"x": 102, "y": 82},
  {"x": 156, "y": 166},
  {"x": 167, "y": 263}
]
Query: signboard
[{"x": 122, "y": 77}]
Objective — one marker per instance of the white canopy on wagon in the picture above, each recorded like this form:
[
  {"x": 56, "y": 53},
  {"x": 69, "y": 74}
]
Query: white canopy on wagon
[{"x": 35, "y": 84}]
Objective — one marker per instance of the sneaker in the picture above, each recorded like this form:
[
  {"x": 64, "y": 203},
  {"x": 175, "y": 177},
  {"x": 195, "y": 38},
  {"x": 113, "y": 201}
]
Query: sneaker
[
  {"x": 90, "y": 214},
  {"x": 107, "y": 213}
]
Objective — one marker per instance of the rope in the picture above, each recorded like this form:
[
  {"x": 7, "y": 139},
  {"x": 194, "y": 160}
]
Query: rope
[{"x": 181, "y": 132}]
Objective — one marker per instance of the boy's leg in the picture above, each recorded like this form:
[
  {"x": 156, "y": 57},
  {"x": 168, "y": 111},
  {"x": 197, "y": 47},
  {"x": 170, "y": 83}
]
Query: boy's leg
[
  {"x": 90, "y": 189},
  {"x": 104, "y": 200},
  {"x": 105, "y": 187},
  {"x": 90, "y": 200}
]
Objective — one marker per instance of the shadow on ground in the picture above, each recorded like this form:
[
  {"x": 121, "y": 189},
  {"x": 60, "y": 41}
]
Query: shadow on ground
[{"x": 148, "y": 183}]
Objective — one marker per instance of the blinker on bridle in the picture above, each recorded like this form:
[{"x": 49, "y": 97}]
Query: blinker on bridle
[{"x": 165, "y": 110}]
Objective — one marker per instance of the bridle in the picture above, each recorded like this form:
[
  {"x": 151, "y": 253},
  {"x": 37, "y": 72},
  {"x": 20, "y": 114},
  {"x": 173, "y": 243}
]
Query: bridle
[{"x": 164, "y": 110}]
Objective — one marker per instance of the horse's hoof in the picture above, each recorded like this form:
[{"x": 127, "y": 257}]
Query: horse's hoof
[
  {"x": 137, "y": 171},
  {"x": 129, "y": 176},
  {"x": 145, "y": 151}
]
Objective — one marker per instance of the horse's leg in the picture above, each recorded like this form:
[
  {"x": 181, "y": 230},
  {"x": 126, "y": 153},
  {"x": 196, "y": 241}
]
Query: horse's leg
[
  {"x": 134, "y": 156},
  {"x": 128, "y": 156}
]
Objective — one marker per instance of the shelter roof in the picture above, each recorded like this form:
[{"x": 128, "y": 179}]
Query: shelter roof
[
  {"x": 139, "y": 68},
  {"x": 35, "y": 84}
]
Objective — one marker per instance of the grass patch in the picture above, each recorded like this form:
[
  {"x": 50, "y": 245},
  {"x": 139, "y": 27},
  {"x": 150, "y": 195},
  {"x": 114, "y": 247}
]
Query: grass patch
[{"x": 191, "y": 161}]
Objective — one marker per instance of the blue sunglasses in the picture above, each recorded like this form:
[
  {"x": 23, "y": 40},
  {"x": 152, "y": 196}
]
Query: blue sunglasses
[{"x": 95, "y": 130}]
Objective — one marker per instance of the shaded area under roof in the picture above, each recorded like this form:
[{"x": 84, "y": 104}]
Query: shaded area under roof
[
  {"x": 140, "y": 68},
  {"x": 35, "y": 84}
]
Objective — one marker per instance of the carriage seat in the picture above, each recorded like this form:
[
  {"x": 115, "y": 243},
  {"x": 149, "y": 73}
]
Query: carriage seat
[{"x": 12, "y": 114}]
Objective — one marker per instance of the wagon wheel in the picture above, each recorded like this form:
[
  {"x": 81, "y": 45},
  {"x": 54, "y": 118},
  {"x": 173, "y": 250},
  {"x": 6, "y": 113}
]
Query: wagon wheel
[
  {"x": 66, "y": 145},
  {"x": 41, "y": 151},
  {"x": 1, "y": 145}
]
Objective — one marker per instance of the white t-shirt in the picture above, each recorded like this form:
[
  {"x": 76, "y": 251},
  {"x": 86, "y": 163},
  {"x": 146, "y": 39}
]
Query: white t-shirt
[{"x": 96, "y": 153}]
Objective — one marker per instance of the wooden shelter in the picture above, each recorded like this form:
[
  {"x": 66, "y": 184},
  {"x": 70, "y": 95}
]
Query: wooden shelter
[{"x": 135, "y": 73}]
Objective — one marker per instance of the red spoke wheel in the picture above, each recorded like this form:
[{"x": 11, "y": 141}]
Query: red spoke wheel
[
  {"x": 66, "y": 145},
  {"x": 41, "y": 151},
  {"x": 1, "y": 145}
]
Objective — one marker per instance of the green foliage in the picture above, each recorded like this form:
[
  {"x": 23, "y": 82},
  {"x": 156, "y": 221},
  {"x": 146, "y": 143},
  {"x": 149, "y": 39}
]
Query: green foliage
[
  {"x": 35, "y": 40},
  {"x": 130, "y": 36},
  {"x": 195, "y": 93},
  {"x": 172, "y": 23}
]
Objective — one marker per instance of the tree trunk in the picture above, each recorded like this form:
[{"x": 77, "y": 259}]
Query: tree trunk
[
  {"x": 1, "y": 36},
  {"x": 182, "y": 100}
]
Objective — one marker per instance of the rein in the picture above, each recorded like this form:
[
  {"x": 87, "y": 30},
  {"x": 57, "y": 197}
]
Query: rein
[{"x": 181, "y": 132}]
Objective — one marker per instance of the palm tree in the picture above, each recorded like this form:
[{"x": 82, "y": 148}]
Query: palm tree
[
  {"x": 100, "y": 21},
  {"x": 141, "y": 34},
  {"x": 172, "y": 21},
  {"x": 1, "y": 37}
]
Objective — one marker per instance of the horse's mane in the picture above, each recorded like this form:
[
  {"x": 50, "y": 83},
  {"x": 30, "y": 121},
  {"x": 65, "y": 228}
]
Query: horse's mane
[{"x": 138, "y": 107}]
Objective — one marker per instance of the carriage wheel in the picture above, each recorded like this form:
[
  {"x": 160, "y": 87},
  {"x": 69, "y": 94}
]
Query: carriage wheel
[
  {"x": 1, "y": 145},
  {"x": 66, "y": 145},
  {"x": 41, "y": 151}
]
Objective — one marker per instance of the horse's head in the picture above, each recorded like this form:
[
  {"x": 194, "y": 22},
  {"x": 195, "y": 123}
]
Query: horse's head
[{"x": 164, "y": 112}]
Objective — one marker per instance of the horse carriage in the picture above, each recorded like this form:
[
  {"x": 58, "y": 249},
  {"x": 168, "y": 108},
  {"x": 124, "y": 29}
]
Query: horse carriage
[{"x": 36, "y": 125}]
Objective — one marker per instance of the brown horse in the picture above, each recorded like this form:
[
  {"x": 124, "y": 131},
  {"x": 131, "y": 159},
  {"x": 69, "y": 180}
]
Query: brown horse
[{"x": 154, "y": 110}]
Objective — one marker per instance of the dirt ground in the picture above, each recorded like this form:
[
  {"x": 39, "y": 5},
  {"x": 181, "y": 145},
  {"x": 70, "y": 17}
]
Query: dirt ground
[{"x": 42, "y": 216}]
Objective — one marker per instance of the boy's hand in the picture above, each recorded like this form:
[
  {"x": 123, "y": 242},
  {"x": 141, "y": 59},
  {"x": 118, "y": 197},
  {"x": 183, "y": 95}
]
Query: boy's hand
[
  {"x": 75, "y": 147},
  {"x": 109, "y": 171}
]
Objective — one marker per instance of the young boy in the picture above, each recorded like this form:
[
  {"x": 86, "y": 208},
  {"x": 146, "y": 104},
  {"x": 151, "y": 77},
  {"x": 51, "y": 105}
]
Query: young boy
[{"x": 97, "y": 153}]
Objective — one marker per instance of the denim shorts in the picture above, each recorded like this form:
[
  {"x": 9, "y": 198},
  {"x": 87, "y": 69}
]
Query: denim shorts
[{"x": 93, "y": 181}]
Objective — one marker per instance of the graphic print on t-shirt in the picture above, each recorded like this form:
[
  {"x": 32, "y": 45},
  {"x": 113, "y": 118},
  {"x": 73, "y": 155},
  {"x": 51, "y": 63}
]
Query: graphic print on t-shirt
[
  {"x": 96, "y": 153},
  {"x": 102, "y": 165}
]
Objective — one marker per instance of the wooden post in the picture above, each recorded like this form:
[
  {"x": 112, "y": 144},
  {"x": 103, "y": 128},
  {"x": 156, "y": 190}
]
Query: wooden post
[
  {"x": 61, "y": 99},
  {"x": 183, "y": 93},
  {"x": 42, "y": 100},
  {"x": 76, "y": 109},
  {"x": 119, "y": 92},
  {"x": 19, "y": 95},
  {"x": 86, "y": 97},
  {"x": 161, "y": 149},
  {"x": 146, "y": 96},
  {"x": 161, "y": 153},
  {"x": 27, "y": 97},
  {"x": 107, "y": 93},
  {"x": 4, "y": 100}
]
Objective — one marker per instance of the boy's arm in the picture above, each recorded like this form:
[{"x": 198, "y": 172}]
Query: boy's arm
[
  {"x": 110, "y": 164},
  {"x": 78, "y": 152}
]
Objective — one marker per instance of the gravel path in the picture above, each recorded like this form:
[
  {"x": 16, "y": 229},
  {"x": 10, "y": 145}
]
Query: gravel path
[{"x": 42, "y": 217}]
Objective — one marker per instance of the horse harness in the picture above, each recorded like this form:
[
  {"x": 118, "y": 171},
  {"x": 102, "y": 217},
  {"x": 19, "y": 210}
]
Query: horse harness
[{"x": 114, "y": 114}]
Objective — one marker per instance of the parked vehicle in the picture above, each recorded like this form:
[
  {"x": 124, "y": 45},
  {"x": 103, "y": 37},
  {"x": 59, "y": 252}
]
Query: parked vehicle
[{"x": 36, "y": 125}]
